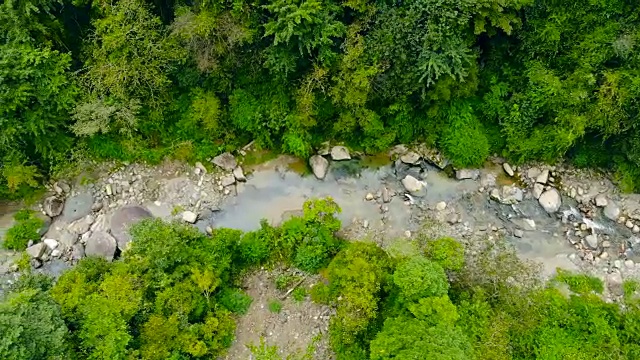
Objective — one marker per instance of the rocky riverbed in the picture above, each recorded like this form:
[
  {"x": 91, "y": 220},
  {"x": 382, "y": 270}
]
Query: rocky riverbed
[{"x": 555, "y": 215}]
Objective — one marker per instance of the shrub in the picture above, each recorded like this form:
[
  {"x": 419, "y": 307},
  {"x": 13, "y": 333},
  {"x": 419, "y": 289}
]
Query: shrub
[
  {"x": 27, "y": 228},
  {"x": 275, "y": 306},
  {"x": 235, "y": 300},
  {"x": 580, "y": 283},
  {"x": 419, "y": 277},
  {"x": 464, "y": 139},
  {"x": 299, "y": 294},
  {"x": 447, "y": 252}
]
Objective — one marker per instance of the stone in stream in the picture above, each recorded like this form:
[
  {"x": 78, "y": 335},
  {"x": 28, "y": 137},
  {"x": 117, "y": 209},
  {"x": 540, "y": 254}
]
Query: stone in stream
[
  {"x": 239, "y": 174},
  {"x": 340, "y": 153},
  {"x": 614, "y": 283},
  {"x": 410, "y": 158},
  {"x": 518, "y": 233},
  {"x": 77, "y": 207},
  {"x": 591, "y": 241},
  {"x": 601, "y": 200},
  {"x": 510, "y": 195},
  {"x": 77, "y": 251},
  {"x": 51, "y": 243},
  {"x": 226, "y": 161},
  {"x": 227, "y": 180},
  {"x": 543, "y": 178},
  {"x": 507, "y": 168},
  {"x": 53, "y": 206},
  {"x": 550, "y": 200},
  {"x": 319, "y": 165},
  {"x": 464, "y": 174},
  {"x": 101, "y": 244},
  {"x": 538, "y": 189},
  {"x": 190, "y": 217},
  {"x": 414, "y": 186},
  {"x": 121, "y": 221},
  {"x": 386, "y": 195},
  {"x": 611, "y": 210}
]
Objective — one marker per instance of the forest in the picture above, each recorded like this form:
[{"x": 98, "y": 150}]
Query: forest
[
  {"x": 175, "y": 294},
  {"x": 140, "y": 80}
]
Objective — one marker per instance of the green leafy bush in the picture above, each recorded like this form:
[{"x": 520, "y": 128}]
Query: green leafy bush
[
  {"x": 419, "y": 277},
  {"x": 447, "y": 252},
  {"x": 27, "y": 228},
  {"x": 275, "y": 306},
  {"x": 235, "y": 300}
]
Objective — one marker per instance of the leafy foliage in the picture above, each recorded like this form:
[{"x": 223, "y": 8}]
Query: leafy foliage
[{"x": 27, "y": 228}]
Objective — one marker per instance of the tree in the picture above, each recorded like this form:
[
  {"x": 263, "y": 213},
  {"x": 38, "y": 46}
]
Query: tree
[{"x": 419, "y": 277}]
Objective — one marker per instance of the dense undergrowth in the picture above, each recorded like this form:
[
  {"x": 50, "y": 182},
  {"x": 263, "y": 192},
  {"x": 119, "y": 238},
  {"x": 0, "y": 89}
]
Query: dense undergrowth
[
  {"x": 142, "y": 80},
  {"x": 176, "y": 292}
]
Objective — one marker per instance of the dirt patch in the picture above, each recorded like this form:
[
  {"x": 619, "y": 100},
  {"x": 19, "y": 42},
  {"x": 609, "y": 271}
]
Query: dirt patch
[{"x": 293, "y": 329}]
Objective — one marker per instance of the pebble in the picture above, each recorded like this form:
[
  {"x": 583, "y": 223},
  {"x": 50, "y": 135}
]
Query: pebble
[
  {"x": 636, "y": 229},
  {"x": 369, "y": 197},
  {"x": 507, "y": 168},
  {"x": 604, "y": 255},
  {"x": 441, "y": 206},
  {"x": 407, "y": 233},
  {"x": 629, "y": 224},
  {"x": 518, "y": 233}
]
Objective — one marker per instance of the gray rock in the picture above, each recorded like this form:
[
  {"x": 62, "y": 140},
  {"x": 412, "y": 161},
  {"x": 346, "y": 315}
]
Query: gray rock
[
  {"x": 319, "y": 165},
  {"x": 239, "y": 174},
  {"x": 77, "y": 207},
  {"x": 611, "y": 211},
  {"x": 538, "y": 189},
  {"x": 62, "y": 187},
  {"x": 463, "y": 174},
  {"x": 614, "y": 283},
  {"x": 488, "y": 180},
  {"x": 201, "y": 168},
  {"x": 108, "y": 189},
  {"x": 511, "y": 195},
  {"x": 37, "y": 251},
  {"x": 121, "y": 221},
  {"x": 533, "y": 172},
  {"x": 410, "y": 158},
  {"x": 507, "y": 168},
  {"x": 441, "y": 206},
  {"x": 340, "y": 153},
  {"x": 53, "y": 206},
  {"x": 190, "y": 217},
  {"x": 601, "y": 200},
  {"x": 67, "y": 239},
  {"x": 97, "y": 206},
  {"x": 518, "y": 233},
  {"x": 226, "y": 161},
  {"x": 46, "y": 223},
  {"x": 543, "y": 178},
  {"x": 101, "y": 244},
  {"x": 227, "y": 180},
  {"x": 414, "y": 186},
  {"x": 591, "y": 241},
  {"x": 325, "y": 149},
  {"x": 35, "y": 263},
  {"x": 82, "y": 226},
  {"x": 386, "y": 195},
  {"x": 550, "y": 201},
  {"x": 77, "y": 251}
]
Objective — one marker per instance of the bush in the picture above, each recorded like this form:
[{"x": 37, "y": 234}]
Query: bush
[
  {"x": 275, "y": 306},
  {"x": 27, "y": 228},
  {"x": 235, "y": 300},
  {"x": 464, "y": 139},
  {"x": 419, "y": 277},
  {"x": 447, "y": 252}
]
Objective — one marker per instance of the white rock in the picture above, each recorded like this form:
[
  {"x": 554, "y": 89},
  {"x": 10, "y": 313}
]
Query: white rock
[
  {"x": 51, "y": 243},
  {"x": 601, "y": 200},
  {"x": 319, "y": 165},
  {"x": 200, "y": 166},
  {"x": 463, "y": 174},
  {"x": 407, "y": 233},
  {"x": 611, "y": 210},
  {"x": 636, "y": 229},
  {"x": 56, "y": 253},
  {"x": 591, "y": 241},
  {"x": 190, "y": 217},
  {"x": 531, "y": 225},
  {"x": 629, "y": 224},
  {"x": 518, "y": 233},
  {"x": 386, "y": 195},
  {"x": 511, "y": 195},
  {"x": 340, "y": 153},
  {"x": 413, "y": 185},
  {"x": 543, "y": 178},
  {"x": 550, "y": 200},
  {"x": 538, "y": 189},
  {"x": 108, "y": 189},
  {"x": 533, "y": 172},
  {"x": 410, "y": 158},
  {"x": 227, "y": 180},
  {"x": 507, "y": 168},
  {"x": 239, "y": 174},
  {"x": 369, "y": 197}
]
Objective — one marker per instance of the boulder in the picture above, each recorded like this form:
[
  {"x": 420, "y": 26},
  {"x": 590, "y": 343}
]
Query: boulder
[
  {"x": 507, "y": 168},
  {"x": 227, "y": 180},
  {"x": 37, "y": 251},
  {"x": 51, "y": 243},
  {"x": 319, "y": 165},
  {"x": 463, "y": 174},
  {"x": 414, "y": 186},
  {"x": 67, "y": 239},
  {"x": 101, "y": 244},
  {"x": 53, "y": 206},
  {"x": 226, "y": 161},
  {"x": 238, "y": 173},
  {"x": 121, "y": 221},
  {"x": 614, "y": 283},
  {"x": 611, "y": 211},
  {"x": 340, "y": 153},
  {"x": 601, "y": 200},
  {"x": 190, "y": 217},
  {"x": 591, "y": 241},
  {"x": 550, "y": 200},
  {"x": 538, "y": 189},
  {"x": 518, "y": 233},
  {"x": 533, "y": 172},
  {"x": 543, "y": 178},
  {"x": 82, "y": 226},
  {"x": 46, "y": 223},
  {"x": 62, "y": 187},
  {"x": 77, "y": 207},
  {"x": 77, "y": 251},
  {"x": 511, "y": 195},
  {"x": 410, "y": 158}
]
